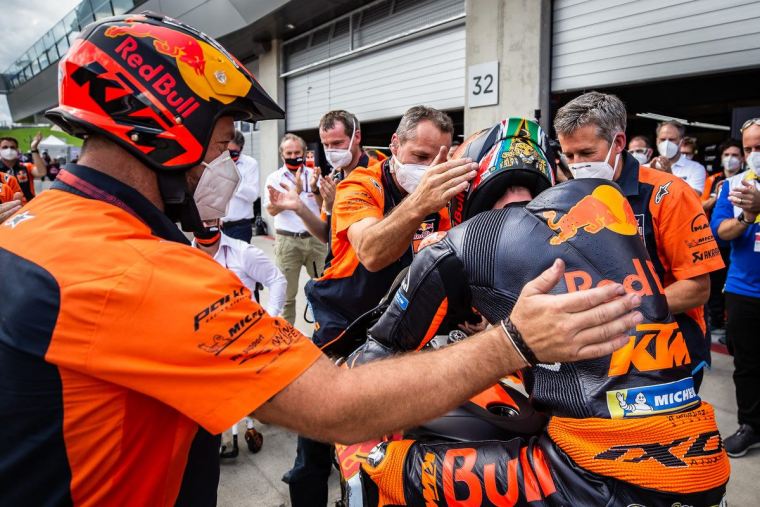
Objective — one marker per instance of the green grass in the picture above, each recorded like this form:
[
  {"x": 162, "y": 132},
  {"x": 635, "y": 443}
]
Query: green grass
[{"x": 26, "y": 134}]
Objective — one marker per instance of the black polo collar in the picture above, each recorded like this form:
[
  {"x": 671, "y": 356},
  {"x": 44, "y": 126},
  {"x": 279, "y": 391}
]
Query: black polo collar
[
  {"x": 86, "y": 182},
  {"x": 629, "y": 175}
]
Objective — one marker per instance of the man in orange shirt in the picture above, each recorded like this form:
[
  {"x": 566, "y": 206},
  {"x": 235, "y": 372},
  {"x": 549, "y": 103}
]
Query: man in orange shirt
[
  {"x": 675, "y": 230},
  {"x": 118, "y": 336},
  {"x": 23, "y": 172}
]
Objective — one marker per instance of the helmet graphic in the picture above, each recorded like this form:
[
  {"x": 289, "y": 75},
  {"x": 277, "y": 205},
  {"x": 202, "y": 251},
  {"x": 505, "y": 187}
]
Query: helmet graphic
[
  {"x": 514, "y": 152},
  {"x": 156, "y": 87}
]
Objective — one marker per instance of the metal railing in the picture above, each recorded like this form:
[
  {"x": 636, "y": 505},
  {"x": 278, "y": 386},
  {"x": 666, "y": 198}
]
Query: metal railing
[{"x": 55, "y": 42}]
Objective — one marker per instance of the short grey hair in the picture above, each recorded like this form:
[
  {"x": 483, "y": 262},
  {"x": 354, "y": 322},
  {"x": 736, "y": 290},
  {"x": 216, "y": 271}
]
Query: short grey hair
[
  {"x": 407, "y": 127},
  {"x": 238, "y": 138},
  {"x": 675, "y": 124},
  {"x": 296, "y": 138},
  {"x": 606, "y": 112}
]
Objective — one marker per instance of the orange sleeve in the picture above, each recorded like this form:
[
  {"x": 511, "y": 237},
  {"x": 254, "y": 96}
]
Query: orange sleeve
[
  {"x": 13, "y": 183},
  {"x": 358, "y": 197},
  {"x": 708, "y": 187},
  {"x": 183, "y": 330},
  {"x": 685, "y": 243},
  {"x": 6, "y": 193}
]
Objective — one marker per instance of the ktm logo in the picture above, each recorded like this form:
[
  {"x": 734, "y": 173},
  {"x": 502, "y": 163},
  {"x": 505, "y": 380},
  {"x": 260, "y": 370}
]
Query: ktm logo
[
  {"x": 671, "y": 454},
  {"x": 429, "y": 476},
  {"x": 669, "y": 350},
  {"x": 605, "y": 208}
]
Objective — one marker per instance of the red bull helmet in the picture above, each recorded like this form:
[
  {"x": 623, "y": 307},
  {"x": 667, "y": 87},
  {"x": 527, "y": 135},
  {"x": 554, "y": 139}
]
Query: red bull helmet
[
  {"x": 514, "y": 152},
  {"x": 156, "y": 87}
]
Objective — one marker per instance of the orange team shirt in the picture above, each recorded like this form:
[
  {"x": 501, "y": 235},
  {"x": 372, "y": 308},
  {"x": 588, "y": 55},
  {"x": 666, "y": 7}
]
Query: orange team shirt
[
  {"x": 360, "y": 196},
  {"x": 150, "y": 338},
  {"x": 9, "y": 181},
  {"x": 685, "y": 245}
]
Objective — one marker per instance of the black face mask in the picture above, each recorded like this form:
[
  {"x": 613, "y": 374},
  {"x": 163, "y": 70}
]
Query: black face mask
[
  {"x": 293, "y": 163},
  {"x": 235, "y": 154},
  {"x": 205, "y": 234}
]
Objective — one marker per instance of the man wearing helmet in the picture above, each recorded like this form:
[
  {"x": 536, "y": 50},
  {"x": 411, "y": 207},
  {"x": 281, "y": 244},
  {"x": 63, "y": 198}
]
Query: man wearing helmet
[
  {"x": 118, "y": 336},
  {"x": 625, "y": 429}
]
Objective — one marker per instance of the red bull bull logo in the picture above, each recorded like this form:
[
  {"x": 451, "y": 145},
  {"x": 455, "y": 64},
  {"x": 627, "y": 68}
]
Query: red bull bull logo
[
  {"x": 166, "y": 41},
  {"x": 605, "y": 208}
]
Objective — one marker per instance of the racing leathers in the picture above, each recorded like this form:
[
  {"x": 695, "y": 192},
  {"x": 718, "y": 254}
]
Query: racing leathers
[{"x": 627, "y": 428}]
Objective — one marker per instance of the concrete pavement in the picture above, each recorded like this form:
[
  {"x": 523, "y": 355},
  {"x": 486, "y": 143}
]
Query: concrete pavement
[{"x": 254, "y": 480}]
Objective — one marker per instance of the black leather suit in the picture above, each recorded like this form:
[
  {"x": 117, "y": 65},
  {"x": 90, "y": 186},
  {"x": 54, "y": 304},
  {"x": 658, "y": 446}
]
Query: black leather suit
[{"x": 484, "y": 263}]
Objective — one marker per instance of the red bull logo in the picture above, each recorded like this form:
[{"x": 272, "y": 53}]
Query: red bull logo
[
  {"x": 605, "y": 208},
  {"x": 166, "y": 41},
  {"x": 203, "y": 68}
]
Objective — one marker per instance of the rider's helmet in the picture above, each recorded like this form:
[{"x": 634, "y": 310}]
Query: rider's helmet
[
  {"x": 514, "y": 152},
  {"x": 156, "y": 87}
]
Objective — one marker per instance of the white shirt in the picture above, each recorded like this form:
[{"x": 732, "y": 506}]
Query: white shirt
[
  {"x": 280, "y": 179},
  {"x": 241, "y": 204},
  {"x": 251, "y": 265},
  {"x": 691, "y": 171}
]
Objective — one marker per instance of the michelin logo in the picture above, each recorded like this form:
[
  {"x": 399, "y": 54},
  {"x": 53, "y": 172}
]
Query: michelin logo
[{"x": 652, "y": 400}]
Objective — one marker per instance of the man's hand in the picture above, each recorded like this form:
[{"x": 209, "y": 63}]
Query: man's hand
[
  {"x": 746, "y": 197},
  {"x": 36, "y": 140},
  {"x": 570, "y": 327},
  {"x": 327, "y": 189},
  {"x": 288, "y": 200},
  {"x": 9, "y": 208},
  {"x": 315, "y": 173},
  {"x": 662, "y": 163},
  {"x": 442, "y": 182}
]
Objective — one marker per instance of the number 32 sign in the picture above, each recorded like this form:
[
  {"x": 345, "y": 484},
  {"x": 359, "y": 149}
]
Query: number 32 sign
[{"x": 483, "y": 84}]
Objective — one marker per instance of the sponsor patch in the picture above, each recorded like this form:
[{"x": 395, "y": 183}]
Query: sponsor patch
[
  {"x": 401, "y": 300},
  {"x": 650, "y": 400}
]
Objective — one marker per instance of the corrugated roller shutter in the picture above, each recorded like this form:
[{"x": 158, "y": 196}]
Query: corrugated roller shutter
[
  {"x": 382, "y": 84},
  {"x": 610, "y": 42}
]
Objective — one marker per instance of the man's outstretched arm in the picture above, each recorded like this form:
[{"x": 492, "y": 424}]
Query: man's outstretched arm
[{"x": 350, "y": 405}]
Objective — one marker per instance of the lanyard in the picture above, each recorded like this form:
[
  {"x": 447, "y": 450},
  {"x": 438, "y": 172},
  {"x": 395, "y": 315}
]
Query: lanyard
[{"x": 292, "y": 179}]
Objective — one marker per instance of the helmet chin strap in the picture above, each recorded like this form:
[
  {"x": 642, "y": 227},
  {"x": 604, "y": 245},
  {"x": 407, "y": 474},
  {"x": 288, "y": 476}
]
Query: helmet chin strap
[{"x": 179, "y": 205}]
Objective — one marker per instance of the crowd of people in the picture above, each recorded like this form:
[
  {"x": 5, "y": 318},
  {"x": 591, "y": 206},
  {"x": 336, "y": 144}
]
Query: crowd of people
[{"x": 135, "y": 346}]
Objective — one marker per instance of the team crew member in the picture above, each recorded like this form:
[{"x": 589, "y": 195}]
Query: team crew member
[
  {"x": 256, "y": 271},
  {"x": 238, "y": 223},
  {"x": 23, "y": 172},
  {"x": 344, "y": 153},
  {"x": 731, "y": 162},
  {"x": 608, "y": 417},
  {"x": 294, "y": 246},
  {"x": 115, "y": 360},
  {"x": 380, "y": 215},
  {"x": 670, "y": 139},
  {"x": 675, "y": 230},
  {"x": 736, "y": 217}
]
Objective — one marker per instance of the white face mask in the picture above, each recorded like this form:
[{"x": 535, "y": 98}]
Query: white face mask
[
  {"x": 408, "y": 175},
  {"x": 216, "y": 187},
  {"x": 753, "y": 161},
  {"x": 600, "y": 169},
  {"x": 641, "y": 157},
  {"x": 9, "y": 154},
  {"x": 667, "y": 148},
  {"x": 731, "y": 164},
  {"x": 340, "y": 158}
]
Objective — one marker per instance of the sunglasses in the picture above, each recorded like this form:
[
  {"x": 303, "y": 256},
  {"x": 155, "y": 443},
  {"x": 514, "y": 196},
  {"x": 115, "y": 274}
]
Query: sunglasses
[{"x": 748, "y": 123}]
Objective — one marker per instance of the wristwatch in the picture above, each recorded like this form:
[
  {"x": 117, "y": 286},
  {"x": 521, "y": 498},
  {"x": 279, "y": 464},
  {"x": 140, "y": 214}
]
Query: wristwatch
[{"x": 743, "y": 220}]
